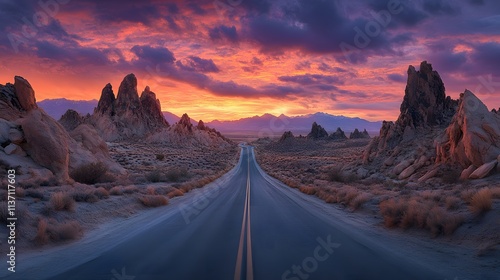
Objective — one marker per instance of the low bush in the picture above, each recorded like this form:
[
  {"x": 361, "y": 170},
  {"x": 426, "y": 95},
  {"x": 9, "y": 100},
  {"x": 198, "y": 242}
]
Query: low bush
[
  {"x": 154, "y": 176},
  {"x": 176, "y": 174},
  {"x": 116, "y": 191},
  {"x": 89, "y": 173},
  {"x": 160, "y": 157},
  {"x": 481, "y": 202},
  {"x": 153, "y": 200},
  {"x": 62, "y": 201}
]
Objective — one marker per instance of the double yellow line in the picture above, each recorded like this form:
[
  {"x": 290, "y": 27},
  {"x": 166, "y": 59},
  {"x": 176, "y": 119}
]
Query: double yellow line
[{"x": 245, "y": 225}]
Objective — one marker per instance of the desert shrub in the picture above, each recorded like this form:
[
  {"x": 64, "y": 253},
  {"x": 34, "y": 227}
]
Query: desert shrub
[
  {"x": 419, "y": 214},
  {"x": 481, "y": 202},
  {"x": 116, "y": 191},
  {"x": 62, "y": 201},
  {"x": 130, "y": 189},
  {"x": 64, "y": 231},
  {"x": 160, "y": 157},
  {"x": 153, "y": 200},
  {"x": 347, "y": 194},
  {"x": 174, "y": 193},
  {"x": 467, "y": 195},
  {"x": 42, "y": 236},
  {"x": 359, "y": 200},
  {"x": 307, "y": 190},
  {"x": 441, "y": 222},
  {"x": 392, "y": 210},
  {"x": 101, "y": 193},
  {"x": 150, "y": 190},
  {"x": 154, "y": 176},
  {"x": 89, "y": 173}
]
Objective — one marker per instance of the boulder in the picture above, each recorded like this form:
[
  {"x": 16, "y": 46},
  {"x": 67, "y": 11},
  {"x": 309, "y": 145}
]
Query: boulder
[
  {"x": 483, "y": 170},
  {"x": 402, "y": 166},
  {"x": 430, "y": 174},
  {"x": 152, "y": 109},
  {"x": 473, "y": 137},
  {"x": 46, "y": 142},
  {"x": 16, "y": 136},
  {"x": 106, "y": 102},
  {"x": 467, "y": 172},
  {"x": 25, "y": 94},
  {"x": 13, "y": 149},
  {"x": 5, "y": 127}
]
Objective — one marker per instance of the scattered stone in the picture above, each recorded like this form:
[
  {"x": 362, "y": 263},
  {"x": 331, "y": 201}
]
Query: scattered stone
[
  {"x": 16, "y": 136},
  {"x": 13, "y": 149},
  {"x": 483, "y": 170},
  {"x": 467, "y": 172}
]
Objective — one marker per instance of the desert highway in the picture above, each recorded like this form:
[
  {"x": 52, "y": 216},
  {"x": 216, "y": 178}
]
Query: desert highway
[{"x": 248, "y": 227}]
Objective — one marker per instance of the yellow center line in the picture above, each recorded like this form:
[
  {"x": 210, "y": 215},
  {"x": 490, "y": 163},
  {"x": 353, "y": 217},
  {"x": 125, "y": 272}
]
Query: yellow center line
[{"x": 245, "y": 223}]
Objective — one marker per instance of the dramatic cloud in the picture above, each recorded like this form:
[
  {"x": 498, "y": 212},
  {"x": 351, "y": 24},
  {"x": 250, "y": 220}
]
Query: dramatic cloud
[{"x": 340, "y": 57}]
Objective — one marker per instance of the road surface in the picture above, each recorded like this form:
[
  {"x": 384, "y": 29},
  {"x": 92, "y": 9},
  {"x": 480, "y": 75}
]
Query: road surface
[{"x": 247, "y": 227}]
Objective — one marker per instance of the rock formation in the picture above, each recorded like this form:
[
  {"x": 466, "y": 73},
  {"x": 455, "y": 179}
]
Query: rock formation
[
  {"x": 317, "y": 132},
  {"x": 359, "y": 135},
  {"x": 35, "y": 142},
  {"x": 473, "y": 137},
  {"x": 184, "y": 133},
  {"x": 71, "y": 120},
  {"x": 435, "y": 134},
  {"x": 338, "y": 135},
  {"x": 127, "y": 115},
  {"x": 287, "y": 136}
]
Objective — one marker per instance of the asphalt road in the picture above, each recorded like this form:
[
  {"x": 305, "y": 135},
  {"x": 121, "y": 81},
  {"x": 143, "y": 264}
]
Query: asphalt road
[{"x": 249, "y": 228}]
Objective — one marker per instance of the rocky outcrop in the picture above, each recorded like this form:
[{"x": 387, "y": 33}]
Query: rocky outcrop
[
  {"x": 359, "y": 135},
  {"x": 46, "y": 143},
  {"x": 71, "y": 120},
  {"x": 287, "y": 136},
  {"x": 38, "y": 145},
  {"x": 317, "y": 132},
  {"x": 106, "y": 102},
  {"x": 201, "y": 125},
  {"x": 473, "y": 137},
  {"x": 338, "y": 135},
  {"x": 127, "y": 115},
  {"x": 184, "y": 126}
]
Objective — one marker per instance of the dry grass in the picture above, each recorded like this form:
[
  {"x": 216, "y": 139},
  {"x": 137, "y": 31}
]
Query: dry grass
[
  {"x": 495, "y": 193},
  {"x": 89, "y": 173},
  {"x": 415, "y": 213},
  {"x": 153, "y": 200},
  {"x": 175, "y": 193},
  {"x": 55, "y": 231},
  {"x": 130, "y": 189},
  {"x": 84, "y": 195},
  {"x": 150, "y": 190},
  {"x": 361, "y": 199},
  {"x": 481, "y": 202},
  {"x": 42, "y": 236},
  {"x": 62, "y": 201},
  {"x": 116, "y": 191},
  {"x": 101, "y": 193},
  {"x": 308, "y": 190},
  {"x": 154, "y": 176}
]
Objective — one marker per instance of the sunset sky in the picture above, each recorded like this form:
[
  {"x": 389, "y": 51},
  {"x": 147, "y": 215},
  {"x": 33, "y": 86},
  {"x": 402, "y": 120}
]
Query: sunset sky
[{"x": 228, "y": 59}]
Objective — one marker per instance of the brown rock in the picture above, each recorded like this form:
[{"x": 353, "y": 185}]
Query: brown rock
[
  {"x": 473, "y": 137},
  {"x": 152, "y": 110},
  {"x": 13, "y": 149},
  {"x": 483, "y": 170},
  {"x": 106, "y": 102},
  {"x": 70, "y": 120},
  {"x": 317, "y": 132},
  {"x": 25, "y": 94},
  {"x": 46, "y": 142},
  {"x": 467, "y": 172}
]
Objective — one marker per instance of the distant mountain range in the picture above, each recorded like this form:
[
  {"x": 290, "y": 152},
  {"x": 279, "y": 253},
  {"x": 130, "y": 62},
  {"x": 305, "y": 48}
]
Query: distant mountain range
[
  {"x": 265, "y": 125},
  {"x": 270, "y": 124}
]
